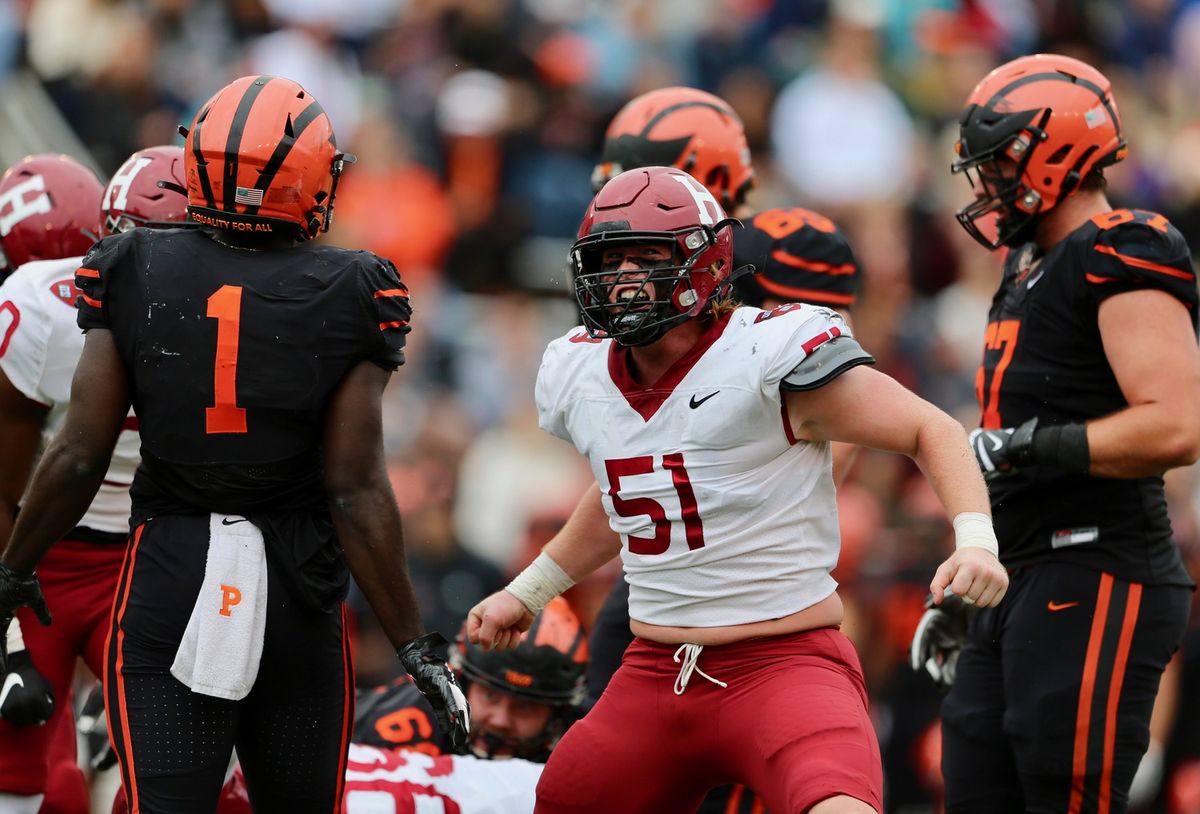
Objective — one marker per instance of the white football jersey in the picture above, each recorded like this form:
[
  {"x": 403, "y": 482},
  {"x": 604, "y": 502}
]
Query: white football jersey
[
  {"x": 724, "y": 517},
  {"x": 40, "y": 345},
  {"x": 405, "y": 781},
  {"x": 384, "y": 781}
]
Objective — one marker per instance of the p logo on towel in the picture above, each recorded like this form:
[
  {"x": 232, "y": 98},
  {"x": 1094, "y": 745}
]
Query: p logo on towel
[{"x": 230, "y": 596}]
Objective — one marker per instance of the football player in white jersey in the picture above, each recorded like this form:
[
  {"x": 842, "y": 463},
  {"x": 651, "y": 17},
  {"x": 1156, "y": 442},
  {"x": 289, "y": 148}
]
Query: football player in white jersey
[
  {"x": 51, "y": 210},
  {"x": 708, "y": 429}
]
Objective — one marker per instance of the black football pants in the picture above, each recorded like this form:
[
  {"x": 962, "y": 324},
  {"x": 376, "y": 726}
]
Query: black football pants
[
  {"x": 291, "y": 732},
  {"x": 1050, "y": 709}
]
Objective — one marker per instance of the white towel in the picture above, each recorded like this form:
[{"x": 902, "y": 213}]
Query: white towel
[{"x": 223, "y": 642}]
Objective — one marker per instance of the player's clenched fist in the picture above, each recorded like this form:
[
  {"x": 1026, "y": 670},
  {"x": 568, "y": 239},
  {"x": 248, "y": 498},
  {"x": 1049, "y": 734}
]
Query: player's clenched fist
[
  {"x": 975, "y": 574},
  {"x": 498, "y": 621}
]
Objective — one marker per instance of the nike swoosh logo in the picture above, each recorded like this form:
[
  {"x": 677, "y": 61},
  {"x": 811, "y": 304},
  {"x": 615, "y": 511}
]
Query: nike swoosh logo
[
  {"x": 225, "y": 521},
  {"x": 995, "y": 442},
  {"x": 10, "y": 681},
  {"x": 694, "y": 403},
  {"x": 1034, "y": 280},
  {"x": 1057, "y": 606}
]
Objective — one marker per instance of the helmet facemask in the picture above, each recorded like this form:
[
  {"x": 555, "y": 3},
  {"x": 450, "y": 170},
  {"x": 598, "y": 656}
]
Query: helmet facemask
[
  {"x": 636, "y": 307},
  {"x": 1006, "y": 208}
]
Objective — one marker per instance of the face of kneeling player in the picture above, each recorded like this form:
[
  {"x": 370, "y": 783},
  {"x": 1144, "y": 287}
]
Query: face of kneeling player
[{"x": 505, "y": 725}]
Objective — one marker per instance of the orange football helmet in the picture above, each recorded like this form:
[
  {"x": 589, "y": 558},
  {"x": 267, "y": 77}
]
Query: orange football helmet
[
  {"x": 261, "y": 157},
  {"x": 684, "y": 128},
  {"x": 1031, "y": 131}
]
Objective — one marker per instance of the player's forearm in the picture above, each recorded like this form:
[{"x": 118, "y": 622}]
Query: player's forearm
[
  {"x": 66, "y": 481},
  {"x": 945, "y": 457},
  {"x": 1146, "y": 439},
  {"x": 369, "y": 530},
  {"x": 586, "y": 541}
]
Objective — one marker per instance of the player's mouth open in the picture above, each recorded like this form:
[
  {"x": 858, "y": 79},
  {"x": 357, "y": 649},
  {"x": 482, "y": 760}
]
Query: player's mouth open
[{"x": 634, "y": 296}]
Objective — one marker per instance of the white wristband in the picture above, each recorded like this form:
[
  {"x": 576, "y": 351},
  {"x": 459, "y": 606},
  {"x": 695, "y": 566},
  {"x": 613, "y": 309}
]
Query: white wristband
[
  {"x": 974, "y": 530},
  {"x": 542, "y": 580},
  {"x": 14, "y": 641}
]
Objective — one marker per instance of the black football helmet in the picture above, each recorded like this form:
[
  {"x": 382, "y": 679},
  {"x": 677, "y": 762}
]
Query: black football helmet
[{"x": 547, "y": 667}]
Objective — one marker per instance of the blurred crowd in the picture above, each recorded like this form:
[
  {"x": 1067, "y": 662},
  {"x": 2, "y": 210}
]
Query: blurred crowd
[{"x": 477, "y": 124}]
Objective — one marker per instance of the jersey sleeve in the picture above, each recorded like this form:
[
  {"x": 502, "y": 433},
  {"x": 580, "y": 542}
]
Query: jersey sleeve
[
  {"x": 397, "y": 716},
  {"x": 96, "y": 278},
  {"x": 1141, "y": 250},
  {"x": 390, "y": 312},
  {"x": 798, "y": 332},
  {"x": 24, "y": 337},
  {"x": 549, "y": 389}
]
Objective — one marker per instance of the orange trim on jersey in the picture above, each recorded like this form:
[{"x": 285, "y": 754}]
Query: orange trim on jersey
[
  {"x": 812, "y": 295},
  {"x": 90, "y": 301},
  {"x": 735, "y": 799},
  {"x": 392, "y": 292},
  {"x": 1145, "y": 264},
  {"x": 399, "y": 323},
  {"x": 87, "y": 272},
  {"x": 347, "y": 710},
  {"x": 1086, "y": 690},
  {"x": 1096, "y": 278},
  {"x": 119, "y": 643},
  {"x": 759, "y": 807},
  {"x": 789, "y": 259},
  {"x": 1132, "y": 604}
]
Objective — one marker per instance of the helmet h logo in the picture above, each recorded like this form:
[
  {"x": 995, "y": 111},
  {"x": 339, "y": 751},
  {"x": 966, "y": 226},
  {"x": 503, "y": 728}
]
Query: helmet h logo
[
  {"x": 710, "y": 210},
  {"x": 230, "y": 596},
  {"x": 14, "y": 207},
  {"x": 117, "y": 194}
]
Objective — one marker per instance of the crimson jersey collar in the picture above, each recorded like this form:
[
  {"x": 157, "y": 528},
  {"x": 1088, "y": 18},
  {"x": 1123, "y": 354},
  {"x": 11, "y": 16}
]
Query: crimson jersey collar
[{"x": 646, "y": 400}]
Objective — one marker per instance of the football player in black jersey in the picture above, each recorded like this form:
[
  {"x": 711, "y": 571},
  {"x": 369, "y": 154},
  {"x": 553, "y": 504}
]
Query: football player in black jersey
[
  {"x": 256, "y": 362},
  {"x": 522, "y": 700},
  {"x": 1090, "y": 390}
]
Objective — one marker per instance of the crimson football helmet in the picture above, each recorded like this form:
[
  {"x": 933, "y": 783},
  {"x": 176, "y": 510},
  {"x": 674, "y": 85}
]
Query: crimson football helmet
[
  {"x": 684, "y": 128},
  {"x": 49, "y": 209},
  {"x": 261, "y": 158},
  {"x": 651, "y": 205},
  {"x": 546, "y": 667},
  {"x": 1031, "y": 131},
  {"x": 148, "y": 190}
]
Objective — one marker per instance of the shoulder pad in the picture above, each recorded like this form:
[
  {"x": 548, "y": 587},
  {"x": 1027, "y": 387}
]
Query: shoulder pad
[
  {"x": 1138, "y": 249},
  {"x": 827, "y": 361}
]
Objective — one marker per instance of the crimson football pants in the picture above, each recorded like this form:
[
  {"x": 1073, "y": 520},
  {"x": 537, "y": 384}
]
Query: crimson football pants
[
  {"x": 1050, "y": 709},
  {"x": 792, "y": 724},
  {"x": 291, "y": 732},
  {"x": 78, "y": 580}
]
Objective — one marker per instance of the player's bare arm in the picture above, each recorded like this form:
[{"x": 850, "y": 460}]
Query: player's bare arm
[
  {"x": 583, "y": 544},
  {"x": 363, "y": 506},
  {"x": 73, "y": 466},
  {"x": 869, "y": 408},
  {"x": 1159, "y": 374},
  {"x": 20, "y": 428}
]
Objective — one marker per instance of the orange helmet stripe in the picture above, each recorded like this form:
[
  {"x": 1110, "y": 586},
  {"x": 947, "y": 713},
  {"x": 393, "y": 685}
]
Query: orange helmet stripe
[{"x": 299, "y": 124}]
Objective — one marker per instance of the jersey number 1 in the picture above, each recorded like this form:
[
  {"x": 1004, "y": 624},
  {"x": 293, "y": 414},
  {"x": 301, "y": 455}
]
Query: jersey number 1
[{"x": 225, "y": 306}]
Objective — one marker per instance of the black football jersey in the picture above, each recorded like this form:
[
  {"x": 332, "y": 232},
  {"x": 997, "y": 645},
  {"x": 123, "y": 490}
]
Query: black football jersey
[
  {"x": 233, "y": 356},
  {"x": 397, "y": 716},
  {"x": 1043, "y": 357}
]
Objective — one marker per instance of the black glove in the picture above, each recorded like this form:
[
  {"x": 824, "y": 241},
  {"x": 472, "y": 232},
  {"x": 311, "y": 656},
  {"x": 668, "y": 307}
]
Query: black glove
[
  {"x": 1002, "y": 452},
  {"x": 940, "y": 637},
  {"x": 26, "y": 697},
  {"x": 435, "y": 681},
  {"x": 17, "y": 591}
]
